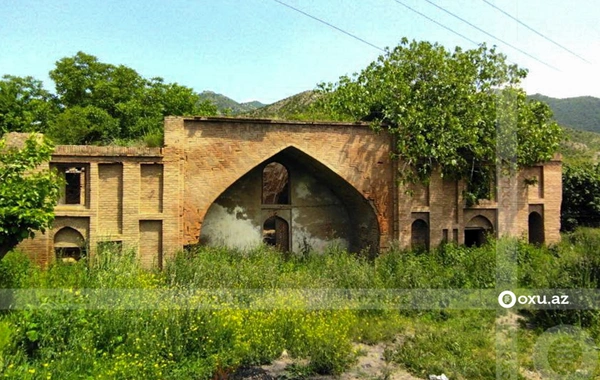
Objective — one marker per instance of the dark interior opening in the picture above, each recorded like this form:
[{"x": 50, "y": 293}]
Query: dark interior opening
[
  {"x": 419, "y": 235},
  {"x": 73, "y": 188},
  {"x": 475, "y": 237},
  {"x": 68, "y": 254},
  {"x": 477, "y": 231},
  {"x": 276, "y": 233},
  {"x": 536, "y": 228}
]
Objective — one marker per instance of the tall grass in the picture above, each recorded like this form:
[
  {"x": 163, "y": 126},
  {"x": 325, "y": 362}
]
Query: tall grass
[{"x": 157, "y": 338}]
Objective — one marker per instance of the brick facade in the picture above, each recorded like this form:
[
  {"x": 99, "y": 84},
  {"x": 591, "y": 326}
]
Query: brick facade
[{"x": 344, "y": 184}]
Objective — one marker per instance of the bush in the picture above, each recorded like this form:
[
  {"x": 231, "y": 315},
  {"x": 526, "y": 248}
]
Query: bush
[
  {"x": 461, "y": 345},
  {"x": 163, "y": 337},
  {"x": 14, "y": 270},
  {"x": 212, "y": 310},
  {"x": 574, "y": 264}
]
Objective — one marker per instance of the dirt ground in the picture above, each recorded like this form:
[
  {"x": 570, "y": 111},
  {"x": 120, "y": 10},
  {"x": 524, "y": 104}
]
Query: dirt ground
[{"x": 370, "y": 365}]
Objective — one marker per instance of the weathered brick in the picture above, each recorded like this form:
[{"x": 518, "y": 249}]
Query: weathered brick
[{"x": 155, "y": 199}]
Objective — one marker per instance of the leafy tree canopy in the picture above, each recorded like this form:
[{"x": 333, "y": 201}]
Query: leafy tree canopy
[
  {"x": 95, "y": 103},
  {"x": 108, "y": 101},
  {"x": 444, "y": 109},
  {"x": 25, "y": 106},
  {"x": 27, "y": 195},
  {"x": 581, "y": 196}
]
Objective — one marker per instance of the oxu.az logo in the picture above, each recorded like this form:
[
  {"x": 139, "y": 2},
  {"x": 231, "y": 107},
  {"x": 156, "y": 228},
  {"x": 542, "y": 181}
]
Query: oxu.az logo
[{"x": 508, "y": 299}]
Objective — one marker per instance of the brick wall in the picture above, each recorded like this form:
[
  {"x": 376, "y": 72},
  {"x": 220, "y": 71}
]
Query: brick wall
[
  {"x": 217, "y": 152},
  {"x": 154, "y": 200},
  {"x": 151, "y": 248},
  {"x": 110, "y": 200},
  {"x": 151, "y": 188}
]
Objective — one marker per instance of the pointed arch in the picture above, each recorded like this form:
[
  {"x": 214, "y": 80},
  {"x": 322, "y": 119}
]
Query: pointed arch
[
  {"x": 343, "y": 214},
  {"x": 236, "y": 172}
]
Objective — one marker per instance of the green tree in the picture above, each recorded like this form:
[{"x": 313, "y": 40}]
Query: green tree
[
  {"x": 27, "y": 194},
  {"x": 84, "y": 125},
  {"x": 443, "y": 109},
  {"x": 25, "y": 106},
  {"x": 136, "y": 104},
  {"x": 581, "y": 196}
]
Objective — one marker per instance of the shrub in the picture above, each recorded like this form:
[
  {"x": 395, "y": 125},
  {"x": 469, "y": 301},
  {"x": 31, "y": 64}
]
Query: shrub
[{"x": 212, "y": 310}]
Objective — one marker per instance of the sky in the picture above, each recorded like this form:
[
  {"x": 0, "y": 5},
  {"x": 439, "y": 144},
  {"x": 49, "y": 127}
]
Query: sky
[{"x": 262, "y": 50}]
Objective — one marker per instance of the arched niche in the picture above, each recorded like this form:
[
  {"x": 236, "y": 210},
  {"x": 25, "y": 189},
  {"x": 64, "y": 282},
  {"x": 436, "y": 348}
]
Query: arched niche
[
  {"x": 321, "y": 208},
  {"x": 419, "y": 235},
  {"x": 477, "y": 230},
  {"x": 275, "y": 184},
  {"x": 68, "y": 244}
]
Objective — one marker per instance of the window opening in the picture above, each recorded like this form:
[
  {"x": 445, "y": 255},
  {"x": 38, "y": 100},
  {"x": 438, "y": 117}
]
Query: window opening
[
  {"x": 275, "y": 184},
  {"x": 276, "y": 233}
]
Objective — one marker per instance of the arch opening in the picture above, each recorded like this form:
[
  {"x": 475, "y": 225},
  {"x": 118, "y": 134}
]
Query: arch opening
[
  {"x": 276, "y": 233},
  {"x": 68, "y": 244},
  {"x": 275, "y": 184},
  {"x": 536, "y": 228},
  {"x": 419, "y": 235},
  {"x": 320, "y": 207},
  {"x": 477, "y": 231}
]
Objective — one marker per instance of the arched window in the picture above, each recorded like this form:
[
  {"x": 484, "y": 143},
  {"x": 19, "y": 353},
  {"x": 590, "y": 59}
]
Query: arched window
[
  {"x": 476, "y": 231},
  {"x": 275, "y": 184},
  {"x": 68, "y": 244},
  {"x": 536, "y": 228},
  {"x": 419, "y": 235},
  {"x": 276, "y": 233}
]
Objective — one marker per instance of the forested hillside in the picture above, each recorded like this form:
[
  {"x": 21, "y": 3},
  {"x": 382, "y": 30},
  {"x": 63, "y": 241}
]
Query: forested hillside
[
  {"x": 293, "y": 107},
  {"x": 582, "y": 112},
  {"x": 226, "y": 105}
]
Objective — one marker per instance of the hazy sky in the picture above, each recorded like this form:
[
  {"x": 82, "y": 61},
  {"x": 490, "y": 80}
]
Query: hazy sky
[{"x": 261, "y": 50}]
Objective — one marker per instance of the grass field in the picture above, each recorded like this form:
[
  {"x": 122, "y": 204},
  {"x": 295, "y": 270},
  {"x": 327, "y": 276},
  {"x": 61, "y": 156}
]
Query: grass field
[{"x": 213, "y": 311}]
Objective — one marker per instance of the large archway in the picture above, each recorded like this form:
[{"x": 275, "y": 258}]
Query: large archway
[
  {"x": 477, "y": 230},
  {"x": 68, "y": 244},
  {"x": 320, "y": 207}
]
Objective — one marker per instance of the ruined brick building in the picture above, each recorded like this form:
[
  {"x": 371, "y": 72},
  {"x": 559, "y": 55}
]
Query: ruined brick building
[{"x": 295, "y": 185}]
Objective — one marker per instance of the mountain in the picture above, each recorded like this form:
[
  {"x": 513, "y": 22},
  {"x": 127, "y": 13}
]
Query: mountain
[
  {"x": 227, "y": 105},
  {"x": 580, "y": 146},
  {"x": 292, "y": 107},
  {"x": 579, "y": 117},
  {"x": 581, "y": 112}
]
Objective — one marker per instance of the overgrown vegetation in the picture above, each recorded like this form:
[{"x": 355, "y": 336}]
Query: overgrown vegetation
[
  {"x": 459, "y": 113},
  {"x": 95, "y": 103},
  {"x": 212, "y": 311},
  {"x": 28, "y": 193},
  {"x": 579, "y": 146},
  {"x": 581, "y": 195}
]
